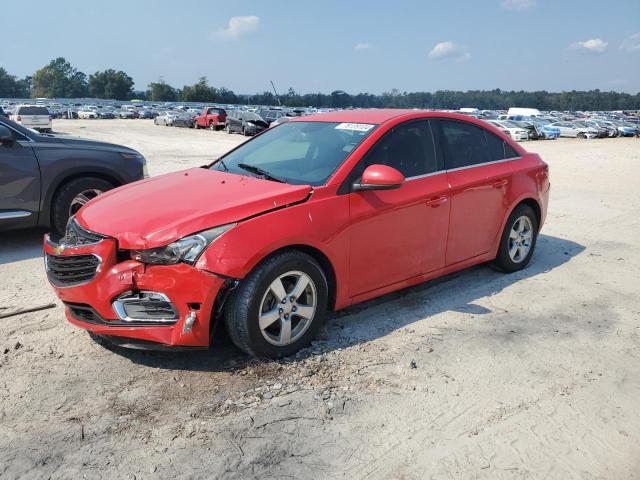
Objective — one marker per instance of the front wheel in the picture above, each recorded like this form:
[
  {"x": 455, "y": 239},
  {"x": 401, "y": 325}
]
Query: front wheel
[
  {"x": 518, "y": 240},
  {"x": 71, "y": 196},
  {"x": 227, "y": 128},
  {"x": 279, "y": 306}
]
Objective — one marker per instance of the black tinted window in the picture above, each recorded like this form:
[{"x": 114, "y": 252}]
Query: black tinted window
[
  {"x": 509, "y": 152},
  {"x": 496, "y": 146},
  {"x": 463, "y": 144},
  {"x": 407, "y": 148},
  {"x": 32, "y": 111}
]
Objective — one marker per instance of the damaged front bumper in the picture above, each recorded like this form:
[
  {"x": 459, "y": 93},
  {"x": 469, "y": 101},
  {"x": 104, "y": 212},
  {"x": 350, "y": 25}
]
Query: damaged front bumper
[{"x": 131, "y": 303}]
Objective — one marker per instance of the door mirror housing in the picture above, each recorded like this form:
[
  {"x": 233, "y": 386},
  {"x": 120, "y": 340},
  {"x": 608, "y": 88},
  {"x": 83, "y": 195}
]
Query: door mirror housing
[
  {"x": 379, "y": 177},
  {"x": 6, "y": 136}
]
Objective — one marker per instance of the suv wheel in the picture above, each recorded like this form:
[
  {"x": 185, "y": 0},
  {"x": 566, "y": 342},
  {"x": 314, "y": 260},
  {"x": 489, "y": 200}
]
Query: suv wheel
[
  {"x": 71, "y": 196},
  {"x": 518, "y": 240},
  {"x": 279, "y": 306}
]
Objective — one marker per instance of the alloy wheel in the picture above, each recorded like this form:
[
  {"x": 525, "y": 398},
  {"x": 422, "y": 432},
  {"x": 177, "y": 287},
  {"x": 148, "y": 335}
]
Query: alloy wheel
[
  {"x": 287, "y": 308},
  {"x": 81, "y": 198},
  {"x": 520, "y": 239}
]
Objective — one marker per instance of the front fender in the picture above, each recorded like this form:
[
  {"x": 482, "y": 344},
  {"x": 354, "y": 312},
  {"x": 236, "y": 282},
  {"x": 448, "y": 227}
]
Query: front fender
[{"x": 320, "y": 225}]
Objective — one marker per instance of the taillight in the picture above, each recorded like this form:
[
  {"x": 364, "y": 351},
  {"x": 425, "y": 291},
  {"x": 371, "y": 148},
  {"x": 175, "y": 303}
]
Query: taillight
[{"x": 18, "y": 119}]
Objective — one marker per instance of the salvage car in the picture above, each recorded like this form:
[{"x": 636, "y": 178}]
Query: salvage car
[
  {"x": 36, "y": 117},
  {"x": 45, "y": 179},
  {"x": 316, "y": 214},
  {"x": 244, "y": 122}
]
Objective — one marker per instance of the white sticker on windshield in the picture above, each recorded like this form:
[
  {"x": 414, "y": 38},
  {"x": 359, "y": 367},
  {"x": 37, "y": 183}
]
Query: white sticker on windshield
[{"x": 355, "y": 127}]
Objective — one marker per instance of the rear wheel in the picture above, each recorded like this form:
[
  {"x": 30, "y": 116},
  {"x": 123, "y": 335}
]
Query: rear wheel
[
  {"x": 195, "y": 125},
  {"x": 518, "y": 240},
  {"x": 582, "y": 135},
  {"x": 70, "y": 198},
  {"x": 279, "y": 306}
]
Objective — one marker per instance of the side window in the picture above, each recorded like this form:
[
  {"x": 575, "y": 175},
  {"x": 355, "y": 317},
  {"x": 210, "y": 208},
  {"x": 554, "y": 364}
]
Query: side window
[
  {"x": 496, "y": 146},
  {"x": 408, "y": 148},
  {"x": 509, "y": 152},
  {"x": 463, "y": 144}
]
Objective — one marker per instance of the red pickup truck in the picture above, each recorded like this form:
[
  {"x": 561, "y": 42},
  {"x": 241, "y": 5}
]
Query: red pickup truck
[{"x": 211, "y": 117}]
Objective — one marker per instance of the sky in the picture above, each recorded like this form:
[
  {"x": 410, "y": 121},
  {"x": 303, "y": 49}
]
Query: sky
[{"x": 324, "y": 45}]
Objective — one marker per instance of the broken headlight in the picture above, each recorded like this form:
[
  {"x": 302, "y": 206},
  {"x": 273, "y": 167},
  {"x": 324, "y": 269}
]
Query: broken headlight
[{"x": 187, "y": 249}]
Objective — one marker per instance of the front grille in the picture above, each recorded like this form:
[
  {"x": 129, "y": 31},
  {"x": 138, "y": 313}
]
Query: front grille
[
  {"x": 76, "y": 236},
  {"x": 69, "y": 270}
]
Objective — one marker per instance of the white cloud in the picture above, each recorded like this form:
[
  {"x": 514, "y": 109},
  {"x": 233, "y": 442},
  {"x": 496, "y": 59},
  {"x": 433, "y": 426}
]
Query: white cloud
[
  {"x": 519, "y": 4},
  {"x": 239, "y": 26},
  {"x": 362, "y": 46},
  {"x": 593, "y": 45},
  {"x": 450, "y": 50},
  {"x": 631, "y": 43}
]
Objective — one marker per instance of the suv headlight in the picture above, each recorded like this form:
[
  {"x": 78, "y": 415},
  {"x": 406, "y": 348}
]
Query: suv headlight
[{"x": 186, "y": 250}]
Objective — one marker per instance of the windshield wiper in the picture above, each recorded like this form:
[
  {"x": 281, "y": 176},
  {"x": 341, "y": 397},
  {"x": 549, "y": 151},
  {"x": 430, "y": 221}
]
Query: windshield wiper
[
  {"x": 260, "y": 171},
  {"x": 224, "y": 165}
]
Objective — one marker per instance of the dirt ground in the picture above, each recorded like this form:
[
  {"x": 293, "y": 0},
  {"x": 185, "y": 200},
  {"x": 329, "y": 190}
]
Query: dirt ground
[{"x": 477, "y": 375}]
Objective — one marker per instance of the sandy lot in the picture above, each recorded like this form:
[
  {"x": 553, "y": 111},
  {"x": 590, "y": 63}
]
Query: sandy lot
[{"x": 531, "y": 375}]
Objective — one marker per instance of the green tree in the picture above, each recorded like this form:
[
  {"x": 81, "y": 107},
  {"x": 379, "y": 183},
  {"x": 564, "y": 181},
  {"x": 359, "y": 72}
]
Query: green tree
[
  {"x": 59, "y": 79},
  {"x": 199, "y": 92},
  {"x": 110, "y": 84},
  {"x": 162, "y": 92},
  {"x": 11, "y": 87}
]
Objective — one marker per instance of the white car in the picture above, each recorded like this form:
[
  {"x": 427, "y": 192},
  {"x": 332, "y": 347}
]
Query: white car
[
  {"x": 515, "y": 132},
  {"x": 87, "y": 112},
  {"x": 36, "y": 117},
  {"x": 568, "y": 129},
  {"x": 166, "y": 118}
]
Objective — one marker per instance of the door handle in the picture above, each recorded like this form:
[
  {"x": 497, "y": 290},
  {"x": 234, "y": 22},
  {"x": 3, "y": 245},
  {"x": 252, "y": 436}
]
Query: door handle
[
  {"x": 501, "y": 183},
  {"x": 435, "y": 201}
]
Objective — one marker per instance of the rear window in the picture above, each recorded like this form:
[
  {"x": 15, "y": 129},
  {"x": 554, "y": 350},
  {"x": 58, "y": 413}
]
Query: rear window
[{"x": 32, "y": 111}]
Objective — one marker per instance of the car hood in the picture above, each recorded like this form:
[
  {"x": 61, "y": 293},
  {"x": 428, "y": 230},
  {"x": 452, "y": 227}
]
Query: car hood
[
  {"x": 157, "y": 211},
  {"x": 64, "y": 141}
]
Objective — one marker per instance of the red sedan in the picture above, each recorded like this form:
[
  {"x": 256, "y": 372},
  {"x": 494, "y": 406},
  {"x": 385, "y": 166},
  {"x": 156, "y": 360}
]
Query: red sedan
[{"x": 316, "y": 214}]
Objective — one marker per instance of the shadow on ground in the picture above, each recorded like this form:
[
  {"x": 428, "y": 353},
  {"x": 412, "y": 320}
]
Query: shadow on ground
[
  {"x": 455, "y": 292},
  {"x": 20, "y": 245}
]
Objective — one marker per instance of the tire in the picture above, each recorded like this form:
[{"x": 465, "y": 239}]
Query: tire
[
  {"x": 227, "y": 128},
  {"x": 254, "y": 293},
  {"x": 582, "y": 135},
  {"x": 504, "y": 261},
  {"x": 196, "y": 126},
  {"x": 67, "y": 193},
  {"x": 212, "y": 126}
]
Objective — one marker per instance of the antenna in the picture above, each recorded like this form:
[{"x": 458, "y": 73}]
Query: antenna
[{"x": 274, "y": 91}]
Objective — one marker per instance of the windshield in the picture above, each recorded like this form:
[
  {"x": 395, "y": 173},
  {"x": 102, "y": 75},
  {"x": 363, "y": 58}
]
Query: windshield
[{"x": 303, "y": 153}]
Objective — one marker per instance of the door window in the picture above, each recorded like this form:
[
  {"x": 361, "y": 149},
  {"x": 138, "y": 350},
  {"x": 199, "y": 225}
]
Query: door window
[
  {"x": 464, "y": 144},
  {"x": 408, "y": 148}
]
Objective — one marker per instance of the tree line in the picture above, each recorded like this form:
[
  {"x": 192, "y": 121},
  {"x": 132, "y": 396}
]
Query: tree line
[{"x": 59, "y": 79}]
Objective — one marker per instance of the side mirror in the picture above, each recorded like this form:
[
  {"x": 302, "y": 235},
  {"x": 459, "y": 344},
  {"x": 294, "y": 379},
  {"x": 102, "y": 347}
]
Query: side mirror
[
  {"x": 6, "y": 136},
  {"x": 379, "y": 177}
]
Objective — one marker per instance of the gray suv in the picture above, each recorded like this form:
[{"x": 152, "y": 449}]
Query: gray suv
[{"x": 44, "y": 179}]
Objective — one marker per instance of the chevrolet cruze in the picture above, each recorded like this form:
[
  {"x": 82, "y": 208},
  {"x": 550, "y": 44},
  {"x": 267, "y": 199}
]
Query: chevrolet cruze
[{"x": 316, "y": 214}]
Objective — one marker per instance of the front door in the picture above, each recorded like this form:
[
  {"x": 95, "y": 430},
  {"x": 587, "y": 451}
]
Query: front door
[
  {"x": 19, "y": 184},
  {"x": 399, "y": 234}
]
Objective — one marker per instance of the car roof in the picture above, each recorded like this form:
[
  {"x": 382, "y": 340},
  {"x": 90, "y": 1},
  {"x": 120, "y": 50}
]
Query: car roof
[
  {"x": 372, "y": 115},
  {"x": 378, "y": 116}
]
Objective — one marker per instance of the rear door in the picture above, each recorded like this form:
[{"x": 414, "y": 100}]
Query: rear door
[
  {"x": 19, "y": 183},
  {"x": 480, "y": 176},
  {"x": 402, "y": 233}
]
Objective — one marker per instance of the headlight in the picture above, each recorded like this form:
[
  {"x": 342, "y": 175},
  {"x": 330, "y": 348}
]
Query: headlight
[{"x": 186, "y": 250}]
